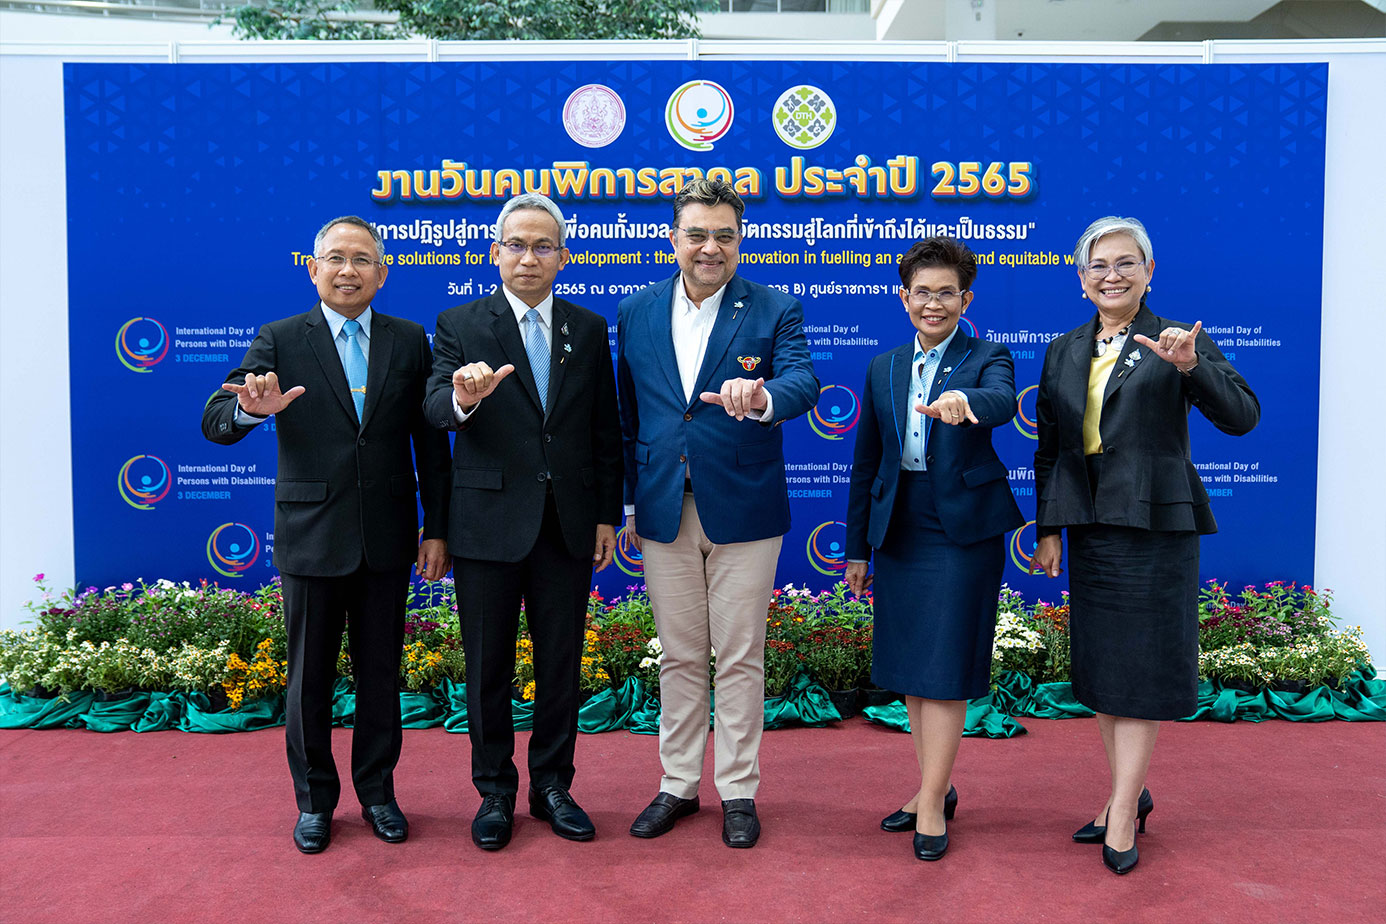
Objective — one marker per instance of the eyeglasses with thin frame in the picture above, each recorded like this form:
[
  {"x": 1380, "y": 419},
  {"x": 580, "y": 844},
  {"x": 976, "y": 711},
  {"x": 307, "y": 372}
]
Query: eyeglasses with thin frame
[
  {"x": 541, "y": 250},
  {"x": 948, "y": 298},
  {"x": 1125, "y": 268},
  {"x": 336, "y": 261},
  {"x": 698, "y": 236}
]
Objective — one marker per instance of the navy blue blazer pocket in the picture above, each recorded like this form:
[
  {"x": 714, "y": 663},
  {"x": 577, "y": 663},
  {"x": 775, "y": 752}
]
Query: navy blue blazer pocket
[
  {"x": 642, "y": 453},
  {"x": 300, "y": 491},
  {"x": 987, "y": 471},
  {"x": 758, "y": 453},
  {"x": 486, "y": 479},
  {"x": 403, "y": 485},
  {"x": 877, "y": 487}
]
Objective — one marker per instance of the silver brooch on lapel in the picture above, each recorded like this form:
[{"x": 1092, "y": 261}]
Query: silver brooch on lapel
[
  {"x": 564, "y": 329},
  {"x": 737, "y": 305},
  {"x": 567, "y": 347}
]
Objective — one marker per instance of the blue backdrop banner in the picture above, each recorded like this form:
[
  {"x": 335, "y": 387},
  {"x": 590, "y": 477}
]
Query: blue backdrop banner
[{"x": 194, "y": 192}]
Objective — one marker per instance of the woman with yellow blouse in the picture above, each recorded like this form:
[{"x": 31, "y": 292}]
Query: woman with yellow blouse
[{"x": 1112, "y": 468}]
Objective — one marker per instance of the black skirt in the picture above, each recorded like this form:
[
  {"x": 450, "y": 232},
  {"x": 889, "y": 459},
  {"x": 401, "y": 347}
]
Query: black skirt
[
  {"x": 1133, "y": 619},
  {"x": 934, "y": 602}
]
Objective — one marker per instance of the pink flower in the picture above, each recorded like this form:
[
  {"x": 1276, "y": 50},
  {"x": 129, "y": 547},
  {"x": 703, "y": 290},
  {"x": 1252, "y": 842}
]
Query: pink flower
[{"x": 38, "y": 577}]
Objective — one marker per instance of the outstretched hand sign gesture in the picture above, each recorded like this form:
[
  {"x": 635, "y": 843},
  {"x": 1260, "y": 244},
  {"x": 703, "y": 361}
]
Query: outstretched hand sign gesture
[
  {"x": 260, "y": 395},
  {"x": 1175, "y": 345}
]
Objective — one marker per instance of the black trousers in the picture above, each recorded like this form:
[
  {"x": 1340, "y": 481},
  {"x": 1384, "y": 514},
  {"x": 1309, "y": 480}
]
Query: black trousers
[
  {"x": 554, "y": 587},
  {"x": 371, "y": 605}
]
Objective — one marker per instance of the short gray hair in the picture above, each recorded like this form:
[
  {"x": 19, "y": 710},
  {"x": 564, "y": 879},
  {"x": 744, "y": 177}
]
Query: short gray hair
[
  {"x": 359, "y": 222},
  {"x": 1112, "y": 224},
  {"x": 533, "y": 201}
]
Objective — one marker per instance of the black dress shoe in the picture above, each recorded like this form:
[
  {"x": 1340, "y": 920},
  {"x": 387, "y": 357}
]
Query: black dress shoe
[
  {"x": 313, "y": 832},
  {"x": 901, "y": 821},
  {"x": 554, "y": 805},
  {"x": 1121, "y": 862},
  {"x": 494, "y": 820},
  {"x": 930, "y": 846},
  {"x": 740, "y": 826},
  {"x": 1093, "y": 833},
  {"x": 387, "y": 821},
  {"x": 659, "y": 816}
]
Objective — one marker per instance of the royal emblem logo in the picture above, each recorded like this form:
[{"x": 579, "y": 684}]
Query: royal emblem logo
[
  {"x": 232, "y": 548},
  {"x": 141, "y": 343},
  {"x": 828, "y": 553},
  {"x": 748, "y": 363},
  {"x": 628, "y": 557},
  {"x": 698, "y": 113},
  {"x": 1026, "y": 422},
  {"x": 143, "y": 481},
  {"x": 804, "y": 117},
  {"x": 837, "y": 412},
  {"x": 594, "y": 115}
]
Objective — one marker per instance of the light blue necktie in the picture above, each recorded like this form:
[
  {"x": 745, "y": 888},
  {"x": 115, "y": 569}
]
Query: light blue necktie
[
  {"x": 354, "y": 363},
  {"x": 538, "y": 352}
]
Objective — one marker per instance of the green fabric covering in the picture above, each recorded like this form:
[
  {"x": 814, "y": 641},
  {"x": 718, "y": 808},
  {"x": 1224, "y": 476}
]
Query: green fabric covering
[
  {"x": 984, "y": 720},
  {"x": 18, "y": 711},
  {"x": 116, "y": 715},
  {"x": 805, "y": 702},
  {"x": 1360, "y": 698}
]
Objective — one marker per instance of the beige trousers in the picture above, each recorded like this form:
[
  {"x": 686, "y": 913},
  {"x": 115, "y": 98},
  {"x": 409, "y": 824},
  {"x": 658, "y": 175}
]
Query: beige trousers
[{"x": 710, "y": 597}]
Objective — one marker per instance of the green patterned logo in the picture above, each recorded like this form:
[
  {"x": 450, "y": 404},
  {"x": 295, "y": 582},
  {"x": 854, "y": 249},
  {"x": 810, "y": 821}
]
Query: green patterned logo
[{"x": 804, "y": 117}]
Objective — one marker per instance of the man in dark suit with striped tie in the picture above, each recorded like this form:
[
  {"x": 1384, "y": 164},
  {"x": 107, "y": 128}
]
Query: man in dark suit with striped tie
[
  {"x": 526, "y": 380},
  {"x": 345, "y": 385}
]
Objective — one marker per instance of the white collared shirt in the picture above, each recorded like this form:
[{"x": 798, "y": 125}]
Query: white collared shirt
[
  {"x": 922, "y": 369},
  {"x": 517, "y": 305},
  {"x": 335, "y": 321}
]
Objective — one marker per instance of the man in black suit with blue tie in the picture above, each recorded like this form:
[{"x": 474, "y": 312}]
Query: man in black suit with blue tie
[
  {"x": 345, "y": 514},
  {"x": 526, "y": 380}
]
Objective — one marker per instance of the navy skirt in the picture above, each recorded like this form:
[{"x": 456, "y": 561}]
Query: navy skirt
[
  {"x": 1133, "y": 618},
  {"x": 934, "y": 602}
]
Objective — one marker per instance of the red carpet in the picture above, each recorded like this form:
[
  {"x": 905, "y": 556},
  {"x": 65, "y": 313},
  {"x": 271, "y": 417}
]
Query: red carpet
[{"x": 1253, "y": 823}]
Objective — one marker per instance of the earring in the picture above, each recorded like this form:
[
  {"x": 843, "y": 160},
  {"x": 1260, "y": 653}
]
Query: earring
[
  {"x": 1147, "y": 288},
  {"x": 1083, "y": 295}
]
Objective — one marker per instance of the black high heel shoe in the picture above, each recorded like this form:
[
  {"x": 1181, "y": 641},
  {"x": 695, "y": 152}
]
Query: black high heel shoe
[
  {"x": 931, "y": 847},
  {"x": 1120, "y": 862},
  {"x": 901, "y": 821},
  {"x": 1092, "y": 833}
]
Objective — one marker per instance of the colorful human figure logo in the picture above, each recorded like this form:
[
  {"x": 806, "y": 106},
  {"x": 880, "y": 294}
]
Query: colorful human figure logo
[
  {"x": 1026, "y": 423},
  {"x": 232, "y": 548},
  {"x": 827, "y": 548},
  {"x": 698, "y": 113},
  {"x": 836, "y": 413},
  {"x": 143, "y": 481},
  {"x": 141, "y": 343}
]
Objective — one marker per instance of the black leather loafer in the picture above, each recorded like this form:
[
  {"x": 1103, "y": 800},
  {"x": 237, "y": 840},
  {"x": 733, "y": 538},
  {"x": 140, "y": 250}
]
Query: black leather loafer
[
  {"x": 930, "y": 846},
  {"x": 387, "y": 821},
  {"x": 659, "y": 816},
  {"x": 740, "y": 826},
  {"x": 313, "y": 831},
  {"x": 554, "y": 805},
  {"x": 494, "y": 820},
  {"x": 902, "y": 821}
]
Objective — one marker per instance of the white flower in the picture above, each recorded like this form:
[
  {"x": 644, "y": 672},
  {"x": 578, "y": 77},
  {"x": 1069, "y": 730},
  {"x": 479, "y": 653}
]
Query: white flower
[{"x": 654, "y": 647}]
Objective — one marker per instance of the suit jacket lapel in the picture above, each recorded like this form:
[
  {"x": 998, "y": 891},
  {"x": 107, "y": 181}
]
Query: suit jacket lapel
[
  {"x": 319, "y": 335},
  {"x": 659, "y": 307},
  {"x": 731, "y": 314},
  {"x": 957, "y": 350},
  {"x": 1133, "y": 356},
  {"x": 378, "y": 365},
  {"x": 901, "y": 371},
  {"x": 507, "y": 334}
]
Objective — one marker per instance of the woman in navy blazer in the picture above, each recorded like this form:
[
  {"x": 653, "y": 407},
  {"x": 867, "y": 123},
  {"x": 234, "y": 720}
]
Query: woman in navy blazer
[{"x": 929, "y": 495}]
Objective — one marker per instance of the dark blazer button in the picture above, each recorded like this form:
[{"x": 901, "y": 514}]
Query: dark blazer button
[
  {"x": 687, "y": 416},
  {"x": 1110, "y": 450},
  {"x": 683, "y": 458},
  {"x": 929, "y": 460},
  {"x": 548, "y": 437},
  {"x": 361, "y": 441},
  {"x": 543, "y": 476}
]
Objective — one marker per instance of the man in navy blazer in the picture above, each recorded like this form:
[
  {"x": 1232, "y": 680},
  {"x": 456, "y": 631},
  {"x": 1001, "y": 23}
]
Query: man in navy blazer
[
  {"x": 346, "y": 521},
  {"x": 708, "y": 366}
]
